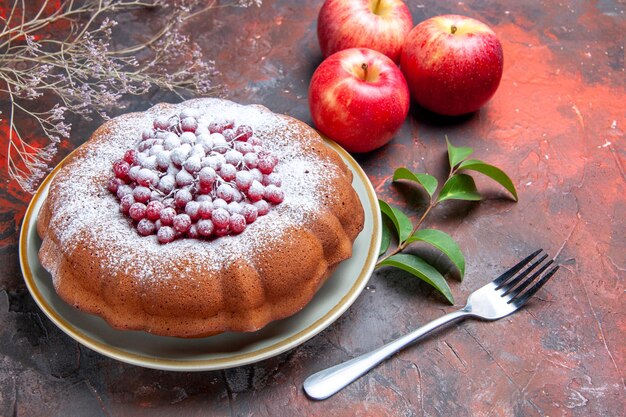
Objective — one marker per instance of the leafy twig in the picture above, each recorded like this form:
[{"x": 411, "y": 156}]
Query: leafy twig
[{"x": 458, "y": 186}]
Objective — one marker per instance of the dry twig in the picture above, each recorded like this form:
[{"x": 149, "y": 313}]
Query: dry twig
[{"x": 62, "y": 51}]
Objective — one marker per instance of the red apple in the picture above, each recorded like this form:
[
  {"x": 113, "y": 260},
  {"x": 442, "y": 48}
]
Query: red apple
[
  {"x": 453, "y": 64},
  {"x": 381, "y": 25},
  {"x": 359, "y": 98}
]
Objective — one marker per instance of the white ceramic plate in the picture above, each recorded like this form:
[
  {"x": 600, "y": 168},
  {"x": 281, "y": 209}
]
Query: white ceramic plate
[{"x": 217, "y": 352}]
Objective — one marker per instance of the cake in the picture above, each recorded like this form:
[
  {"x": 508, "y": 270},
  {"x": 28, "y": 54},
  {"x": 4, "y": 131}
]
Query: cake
[{"x": 167, "y": 260}]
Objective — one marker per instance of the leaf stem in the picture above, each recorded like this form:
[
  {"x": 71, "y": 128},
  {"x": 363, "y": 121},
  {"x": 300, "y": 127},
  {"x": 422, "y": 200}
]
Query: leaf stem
[
  {"x": 404, "y": 244},
  {"x": 431, "y": 205}
]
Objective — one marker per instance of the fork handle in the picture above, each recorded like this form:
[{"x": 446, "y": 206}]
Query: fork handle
[{"x": 323, "y": 384}]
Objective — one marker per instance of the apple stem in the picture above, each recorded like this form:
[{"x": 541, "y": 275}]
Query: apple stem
[
  {"x": 364, "y": 66},
  {"x": 453, "y": 29},
  {"x": 376, "y": 7}
]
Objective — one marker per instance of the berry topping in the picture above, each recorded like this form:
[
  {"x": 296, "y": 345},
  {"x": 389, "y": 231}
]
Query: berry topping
[
  {"x": 203, "y": 197},
  {"x": 205, "y": 209},
  {"x": 219, "y": 203},
  {"x": 133, "y": 171},
  {"x": 192, "y": 209},
  {"x": 121, "y": 168},
  {"x": 187, "y": 137},
  {"x": 273, "y": 194},
  {"x": 267, "y": 163},
  {"x": 123, "y": 190},
  {"x": 126, "y": 202},
  {"x": 234, "y": 207},
  {"x": 167, "y": 216},
  {"x": 155, "y": 150},
  {"x": 147, "y": 177},
  {"x": 193, "y": 231},
  {"x": 130, "y": 155},
  {"x": 233, "y": 157},
  {"x": 237, "y": 223},
  {"x": 205, "y": 227},
  {"x": 262, "y": 207},
  {"x": 228, "y": 172},
  {"x": 219, "y": 142},
  {"x": 166, "y": 184},
  {"x": 225, "y": 192},
  {"x": 150, "y": 162},
  {"x": 183, "y": 178},
  {"x": 251, "y": 160},
  {"x": 219, "y": 126},
  {"x": 155, "y": 195},
  {"x": 181, "y": 223},
  {"x": 243, "y": 180},
  {"x": 146, "y": 227},
  {"x": 220, "y": 217},
  {"x": 137, "y": 211},
  {"x": 207, "y": 177},
  {"x": 179, "y": 155},
  {"x": 205, "y": 141},
  {"x": 243, "y": 133},
  {"x": 202, "y": 129},
  {"x": 114, "y": 184},
  {"x": 244, "y": 147},
  {"x": 273, "y": 178},
  {"x": 256, "y": 174},
  {"x": 229, "y": 135},
  {"x": 172, "y": 141},
  {"x": 142, "y": 194},
  {"x": 256, "y": 191},
  {"x": 197, "y": 150},
  {"x": 166, "y": 234},
  {"x": 146, "y": 134},
  {"x": 189, "y": 124},
  {"x": 192, "y": 164},
  {"x": 163, "y": 160},
  {"x": 172, "y": 170},
  {"x": 223, "y": 231},
  {"x": 161, "y": 123},
  {"x": 188, "y": 178},
  {"x": 182, "y": 197},
  {"x": 250, "y": 213},
  {"x": 188, "y": 112},
  {"x": 237, "y": 196},
  {"x": 153, "y": 210}
]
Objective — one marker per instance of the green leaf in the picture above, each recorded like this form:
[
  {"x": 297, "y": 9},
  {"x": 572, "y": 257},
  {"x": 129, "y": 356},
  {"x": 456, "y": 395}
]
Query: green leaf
[
  {"x": 385, "y": 240},
  {"x": 492, "y": 172},
  {"x": 420, "y": 268},
  {"x": 402, "y": 223},
  {"x": 459, "y": 187},
  {"x": 445, "y": 243},
  {"x": 457, "y": 154},
  {"x": 427, "y": 181}
]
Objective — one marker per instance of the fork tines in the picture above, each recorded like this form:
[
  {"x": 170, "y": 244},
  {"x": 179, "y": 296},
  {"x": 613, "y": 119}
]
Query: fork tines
[{"x": 513, "y": 284}]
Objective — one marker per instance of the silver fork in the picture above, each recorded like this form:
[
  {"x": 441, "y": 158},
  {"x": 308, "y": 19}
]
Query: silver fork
[{"x": 499, "y": 298}]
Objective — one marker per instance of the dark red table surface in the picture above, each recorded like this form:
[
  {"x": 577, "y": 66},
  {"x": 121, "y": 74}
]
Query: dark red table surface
[{"x": 556, "y": 125}]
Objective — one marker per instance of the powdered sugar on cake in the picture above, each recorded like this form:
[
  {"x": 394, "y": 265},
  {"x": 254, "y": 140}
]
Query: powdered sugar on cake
[{"x": 86, "y": 209}]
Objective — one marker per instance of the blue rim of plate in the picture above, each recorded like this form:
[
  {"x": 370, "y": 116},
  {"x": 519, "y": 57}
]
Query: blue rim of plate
[{"x": 228, "y": 361}]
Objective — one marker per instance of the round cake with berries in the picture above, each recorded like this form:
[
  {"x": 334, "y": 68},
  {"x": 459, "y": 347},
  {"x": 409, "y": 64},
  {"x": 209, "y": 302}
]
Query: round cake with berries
[{"x": 198, "y": 218}]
